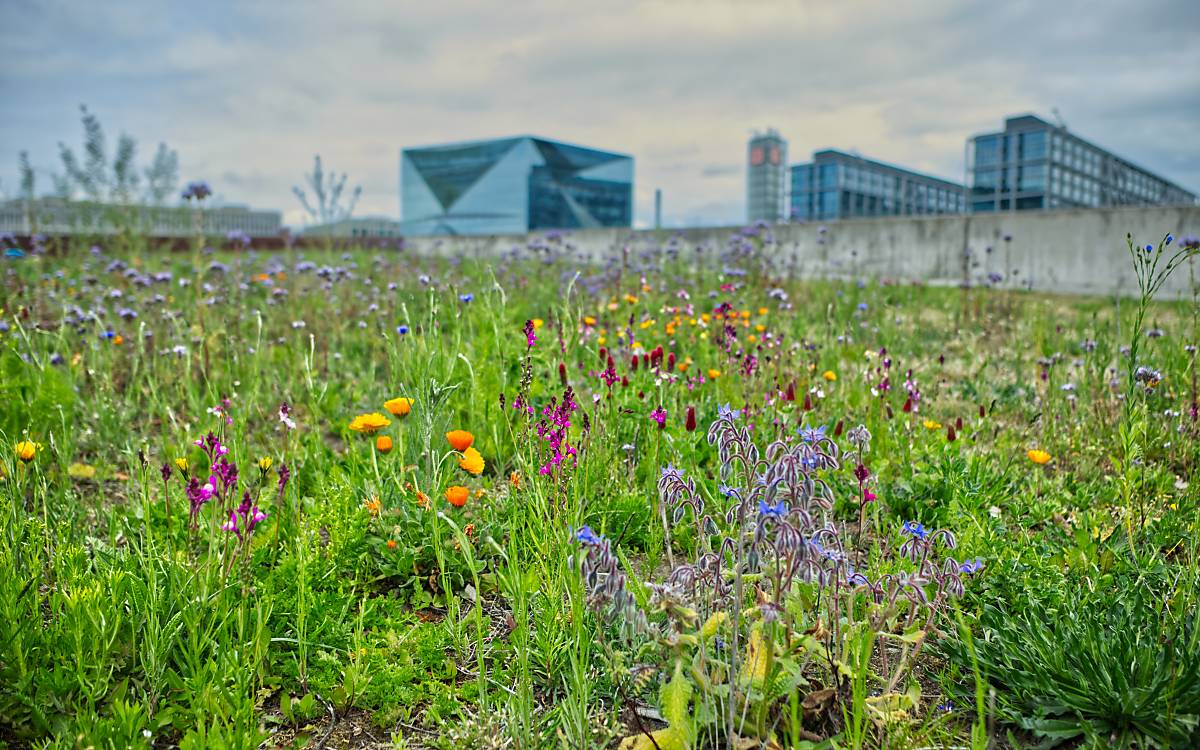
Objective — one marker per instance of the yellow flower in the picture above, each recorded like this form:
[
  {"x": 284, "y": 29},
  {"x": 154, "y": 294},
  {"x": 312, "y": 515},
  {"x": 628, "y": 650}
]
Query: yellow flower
[
  {"x": 932, "y": 425},
  {"x": 373, "y": 506},
  {"x": 471, "y": 461},
  {"x": 182, "y": 464},
  {"x": 588, "y": 320},
  {"x": 1038, "y": 456},
  {"x": 713, "y": 374},
  {"x": 26, "y": 450},
  {"x": 369, "y": 424},
  {"x": 538, "y": 323},
  {"x": 399, "y": 407},
  {"x": 829, "y": 375},
  {"x": 264, "y": 464}
]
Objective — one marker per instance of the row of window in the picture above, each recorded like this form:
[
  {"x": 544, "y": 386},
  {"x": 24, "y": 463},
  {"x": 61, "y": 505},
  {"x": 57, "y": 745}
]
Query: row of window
[{"x": 832, "y": 204}]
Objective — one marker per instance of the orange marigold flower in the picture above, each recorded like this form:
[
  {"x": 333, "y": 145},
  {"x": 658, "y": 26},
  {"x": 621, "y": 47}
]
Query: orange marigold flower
[
  {"x": 471, "y": 462},
  {"x": 369, "y": 424},
  {"x": 1038, "y": 456},
  {"x": 399, "y": 407},
  {"x": 118, "y": 340},
  {"x": 515, "y": 479},
  {"x": 373, "y": 506},
  {"x": 391, "y": 544},
  {"x": 383, "y": 444},
  {"x": 422, "y": 499},
  {"x": 460, "y": 440},
  {"x": 457, "y": 495}
]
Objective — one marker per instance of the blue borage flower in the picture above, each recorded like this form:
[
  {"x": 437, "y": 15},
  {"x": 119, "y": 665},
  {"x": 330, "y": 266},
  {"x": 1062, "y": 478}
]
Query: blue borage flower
[
  {"x": 586, "y": 536},
  {"x": 918, "y": 530},
  {"x": 811, "y": 434},
  {"x": 778, "y": 510},
  {"x": 971, "y": 566}
]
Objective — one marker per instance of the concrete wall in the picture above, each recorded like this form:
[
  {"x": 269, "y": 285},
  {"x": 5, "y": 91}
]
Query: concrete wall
[{"x": 1078, "y": 251}]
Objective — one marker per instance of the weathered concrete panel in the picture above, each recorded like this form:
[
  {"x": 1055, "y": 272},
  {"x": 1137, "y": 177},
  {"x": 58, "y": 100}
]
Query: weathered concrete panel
[{"x": 1080, "y": 251}]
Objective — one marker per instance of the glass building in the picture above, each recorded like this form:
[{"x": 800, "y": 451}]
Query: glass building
[
  {"x": 766, "y": 177},
  {"x": 837, "y": 185},
  {"x": 512, "y": 186},
  {"x": 1034, "y": 165}
]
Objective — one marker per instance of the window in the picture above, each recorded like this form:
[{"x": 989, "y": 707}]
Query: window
[
  {"x": 1033, "y": 145},
  {"x": 986, "y": 181},
  {"x": 1033, "y": 201},
  {"x": 1032, "y": 177},
  {"x": 829, "y": 176},
  {"x": 987, "y": 150},
  {"x": 829, "y": 204}
]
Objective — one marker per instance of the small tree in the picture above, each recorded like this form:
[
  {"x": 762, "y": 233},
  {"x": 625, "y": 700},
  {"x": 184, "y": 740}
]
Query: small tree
[{"x": 327, "y": 190}]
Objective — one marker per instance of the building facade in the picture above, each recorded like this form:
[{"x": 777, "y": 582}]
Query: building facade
[
  {"x": 1035, "y": 165},
  {"x": 766, "y": 177},
  {"x": 512, "y": 186},
  {"x": 58, "y": 217},
  {"x": 837, "y": 185},
  {"x": 361, "y": 227}
]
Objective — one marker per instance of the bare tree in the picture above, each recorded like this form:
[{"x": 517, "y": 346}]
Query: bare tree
[{"x": 327, "y": 190}]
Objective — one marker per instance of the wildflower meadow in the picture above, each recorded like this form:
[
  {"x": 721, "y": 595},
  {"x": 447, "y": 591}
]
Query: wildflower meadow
[{"x": 357, "y": 497}]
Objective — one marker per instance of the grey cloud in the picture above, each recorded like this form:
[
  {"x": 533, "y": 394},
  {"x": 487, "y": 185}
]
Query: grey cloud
[{"x": 246, "y": 89}]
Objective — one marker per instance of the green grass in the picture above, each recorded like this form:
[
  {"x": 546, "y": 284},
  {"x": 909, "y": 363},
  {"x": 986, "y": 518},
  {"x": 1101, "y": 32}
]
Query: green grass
[{"x": 420, "y": 624}]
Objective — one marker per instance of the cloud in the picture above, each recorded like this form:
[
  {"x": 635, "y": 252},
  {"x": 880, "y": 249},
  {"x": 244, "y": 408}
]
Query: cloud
[{"x": 253, "y": 90}]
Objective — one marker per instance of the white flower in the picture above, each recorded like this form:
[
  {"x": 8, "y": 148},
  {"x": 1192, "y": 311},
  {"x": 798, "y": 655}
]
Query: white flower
[{"x": 994, "y": 512}]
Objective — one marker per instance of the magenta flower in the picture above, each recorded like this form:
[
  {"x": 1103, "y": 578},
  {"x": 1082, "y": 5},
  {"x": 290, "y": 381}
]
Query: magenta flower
[{"x": 659, "y": 416}]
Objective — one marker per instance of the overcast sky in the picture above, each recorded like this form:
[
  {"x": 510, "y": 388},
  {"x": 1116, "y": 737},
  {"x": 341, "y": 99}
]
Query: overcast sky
[{"x": 247, "y": 92}]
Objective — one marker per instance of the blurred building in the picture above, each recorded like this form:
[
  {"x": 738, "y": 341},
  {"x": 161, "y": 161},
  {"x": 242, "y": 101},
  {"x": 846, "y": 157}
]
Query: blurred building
[
  {"x": 1033, "y": 164},
  {"x": 766, "y": 177},
  {"x": 838, "y": 185},
  {"x": 364, "y": 227},
  {"x": 512, "y": 186},
  {"x": 58, "y": 217}
]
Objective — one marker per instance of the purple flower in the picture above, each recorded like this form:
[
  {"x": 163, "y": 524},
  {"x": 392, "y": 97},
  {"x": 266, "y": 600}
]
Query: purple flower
[{"x": 529, "y": 334}]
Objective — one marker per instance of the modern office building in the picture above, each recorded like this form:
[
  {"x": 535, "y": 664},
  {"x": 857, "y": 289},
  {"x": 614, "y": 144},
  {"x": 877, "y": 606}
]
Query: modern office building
[
  {"x": 1035, "y": 165},
  {"x": 766, "y": 177},
  {"x": 512, "y": 186},
  {"x": 56, "y": 216},
  {"x": 837, "y": 185}
]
